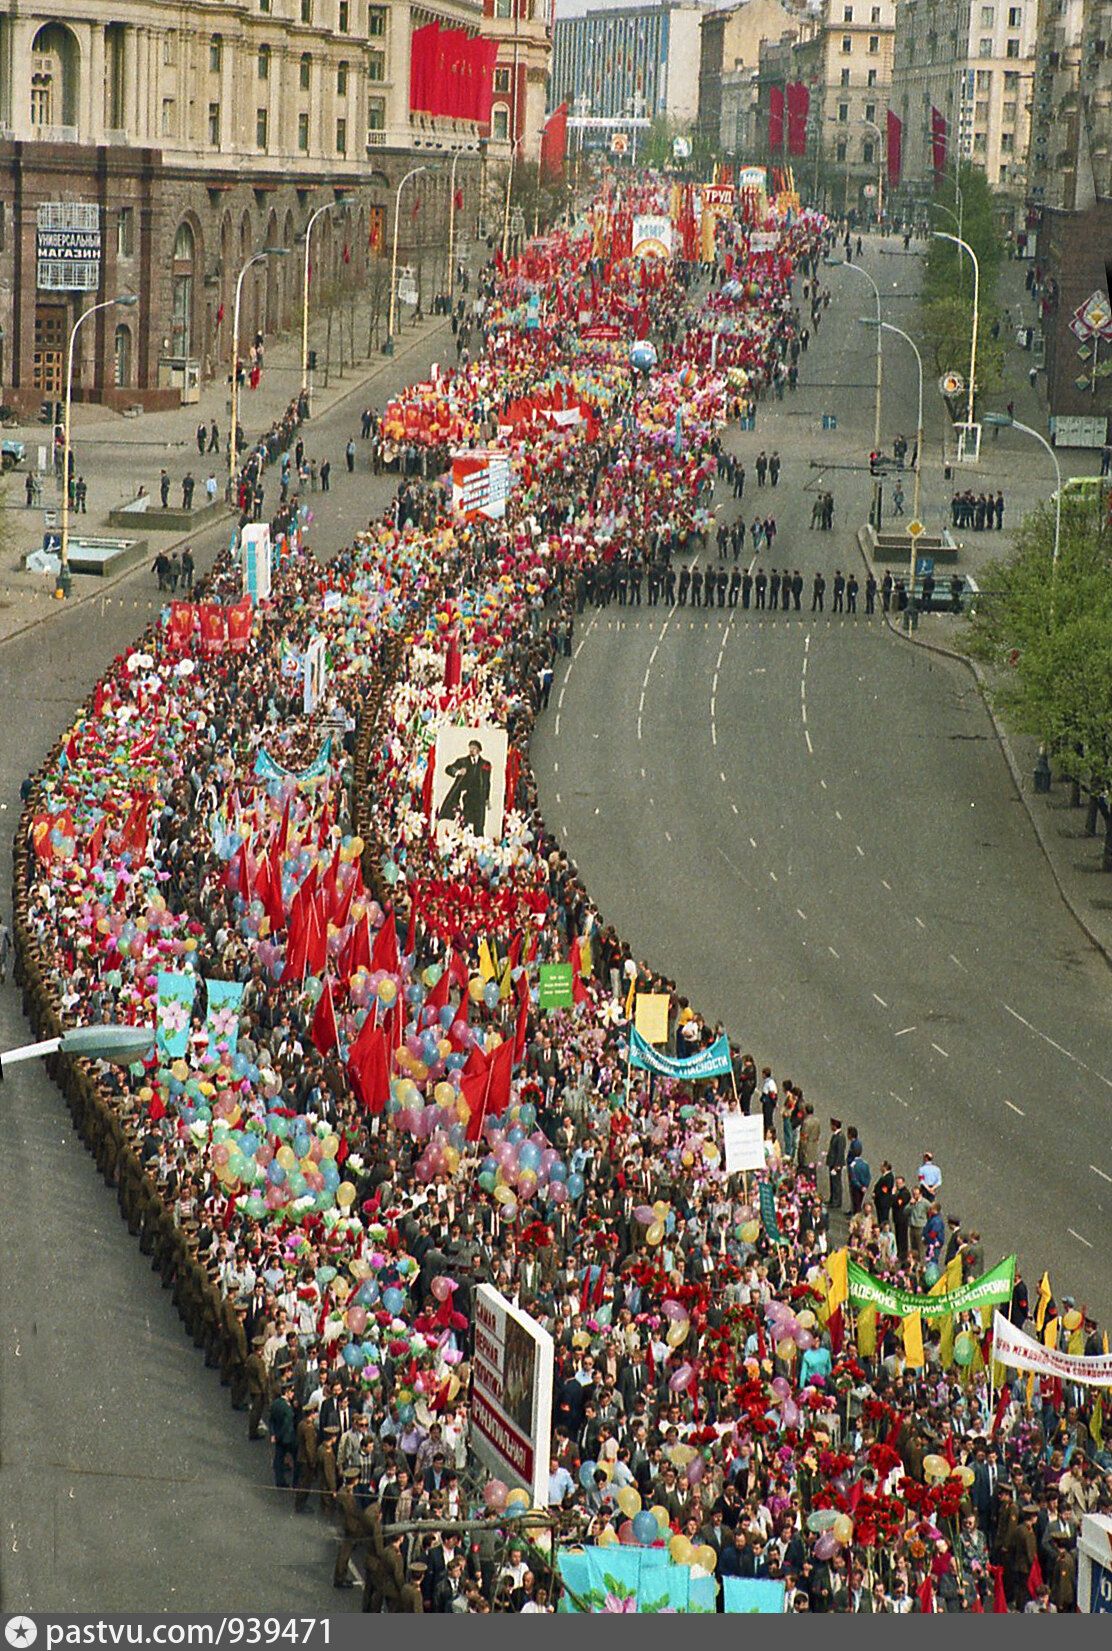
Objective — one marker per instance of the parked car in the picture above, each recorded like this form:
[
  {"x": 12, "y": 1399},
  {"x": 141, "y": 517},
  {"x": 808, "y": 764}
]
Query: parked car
[{"x": 12, "y": 453}]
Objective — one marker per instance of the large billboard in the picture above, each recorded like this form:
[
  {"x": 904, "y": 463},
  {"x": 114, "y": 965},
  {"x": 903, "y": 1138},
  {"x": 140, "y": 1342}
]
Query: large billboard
[
  {"x": 652, "y": 236},
  {"x": 469, "y": 781},
  {"x": 481, "y": 483},
  {"x": 511, "y": 1394}
]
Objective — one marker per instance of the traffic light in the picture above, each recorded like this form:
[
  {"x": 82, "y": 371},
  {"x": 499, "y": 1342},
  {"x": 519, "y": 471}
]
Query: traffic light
[
  {"x": 874, "y": 464},
  {"x": 312, "y": 361}
]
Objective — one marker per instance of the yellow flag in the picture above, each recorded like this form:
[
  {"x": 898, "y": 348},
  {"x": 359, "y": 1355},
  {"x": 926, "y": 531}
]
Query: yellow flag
[
  {"x": 1050, "y": 1332},
  {"x": 866, "y": 1331},
  {"x": 1043, "y": 1302},
  {"x": 913, "y": 1341},
  {"x": 585, "y": 955},
  {"x": 1077, "y": 1342},
  {"x": 1104, "y": 1340},
  {"x": 837, "y": 1272},
  {"x": 952, "y": 1274},
  {"x": 507, "y": 984},
  {"x": 1096, "y": 1421},
  {"x": 487, "y": 967},
  {"x": 631, "y": 995},
  {"x": 946, "y": 1346}
]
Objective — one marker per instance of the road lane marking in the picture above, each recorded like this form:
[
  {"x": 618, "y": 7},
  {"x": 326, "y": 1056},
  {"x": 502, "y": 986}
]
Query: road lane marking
[
  {"x": 1012, "y": 1107},
  {"x": 1100, "y": 1172},
  {"x": 802, "y": 914},
  {"x": 734, "y": 807},
  {"x": 556, "y": 769},
  {"x": 774, "y": 877},
  {"x": 959, "y": 963},
  {"x": 668, "y": 836},
  {"x": 833, "y": 953},
  {"x": 860, "y": 850},
  {"x": 837, "y": 813},
  {"x": 1079, "y": 1238},
  {"x": 880, "y": 1000},
  {"x": 920, "y": 922},
  {"x": 810, "y": 747},
  {"x": 904, "y": 1030},
  {"x": 896, "y": 1097},
  {"x": 557, "y": 725},
  {"x": 944, "y": 1053},
  {"x": 1070, "y": 1056},
  {"x": 752, "y": 842},
  {"x": 714, "y": 735}
]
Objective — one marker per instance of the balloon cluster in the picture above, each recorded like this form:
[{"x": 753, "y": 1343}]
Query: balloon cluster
[{"x": 835, "y": 1530}]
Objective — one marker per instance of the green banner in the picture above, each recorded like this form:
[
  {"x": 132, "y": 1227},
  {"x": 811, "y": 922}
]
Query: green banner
[
  {"x": 991, "y": 1288},
  {"x": 768, "y": 1214},
  {"x": 555, "y": 986}
]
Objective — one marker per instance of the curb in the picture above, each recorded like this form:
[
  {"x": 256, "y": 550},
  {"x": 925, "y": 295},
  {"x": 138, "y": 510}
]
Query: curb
[
  {"x": 110, "y": 584},
  {"x": 978, "y": 675}
]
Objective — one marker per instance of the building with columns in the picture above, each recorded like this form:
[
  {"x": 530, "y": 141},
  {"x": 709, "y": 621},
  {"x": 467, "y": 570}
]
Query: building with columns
[{"x": 152, "y": 149}]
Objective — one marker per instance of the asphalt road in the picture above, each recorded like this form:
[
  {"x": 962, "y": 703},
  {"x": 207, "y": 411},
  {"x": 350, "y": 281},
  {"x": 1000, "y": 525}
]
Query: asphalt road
[
  {"x": 810, "y": 826},
  {"x": 126, "y": 1481}
]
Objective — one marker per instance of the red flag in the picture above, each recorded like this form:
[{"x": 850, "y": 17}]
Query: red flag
[
  {"x": 1002, "y": 1404},
  {"x": 895, "y": 149},
  {"x": 134, "y": 834},
  {"x": 385, "y": 953},
  {"x": 368, "y": 1068},
  {"x": 294, "y": 966},
  {"x": 948, "y": 1450},
  {"x": 488, "y": 1091},
  {"x": 799, "y": 107},
  {"x": 220, "y": 315},
  {"x": 268, "y": 888},
  {"x": 359, "y": 947},
  {"x": 342, "y": 914},
  {"x": 97, "y": 839},
  {"x": 926, "y": 1596},
  {"x": 999, "y": 1597},
  {"x": 776, "y": 117},
  {"x": 835, "y": 1325},
  {"x": 1035, "y": 1578},
  {"x": 316, "y": 942},
  {"x": 284, "y": 828},
  {"x": 324, "y": 1031},
  {"x": 554, "y": 143},
  {"x": 438, "y": 997},
  {"x": 939, "y": 134},
  {"x": 474, "y": 1081},
  {"x": 521, "y": 1030}
]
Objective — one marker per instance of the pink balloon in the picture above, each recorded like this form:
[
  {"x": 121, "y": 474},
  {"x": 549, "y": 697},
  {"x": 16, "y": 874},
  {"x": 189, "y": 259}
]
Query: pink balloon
[
  {"x": 441, "y": 1289},
  {"x": 804, "y": 1340},
  {"x": 625, "y": 1534},
  {"x": 789, "y": 1414},
  {"x": 674, "y": 1310},
  {"x": 644, "y": 1215},
  {"x": 681, "y": 1378},
  {"x": 781, "y": 1387},
  {"x": 495, "y": 1494},
  {"x": 826, "y": 1546},
  {"x": 695, "y": 1470}
]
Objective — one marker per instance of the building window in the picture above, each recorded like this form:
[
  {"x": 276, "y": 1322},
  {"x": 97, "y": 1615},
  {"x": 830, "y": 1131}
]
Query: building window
[
  {"x": 843, "y": 112},
  {"x": 303, "y": 132},
  {"x": 984, "y": 46},
  {"x": 840, "y": 150},
  {"x": 341, "y": 137},
  {"x": 125, "y": 232},
  {"x": 303, "y": 70},
  {"x": 867, "y": 153},
  {"x": 214, "y": 125},
  {"x": 376, "y": 65},
  {"x": 1011, "y": 80},
  {"x": 984, "y": 80},
  {"x": 980, "y": 141},
  {"x": 845, "y": 77},
  {"x": 376, "y": 22},
  {"x": 1007, "y": 143},
  {"x": 306, "y": 11},
  {"x": 264, "y": 62},
  {"x": 500, "y": 122},
  {"x": 345, "y": 17},
  {"x": 875, "y": 15},
  {"x": 122, "y": 357},
  {"x": 847, "y": 14},
  {"x": 341, "y": 80},
  {"x": 261, "y": 124},
  {"x": 502, "y": 8},
  {"x": 42, "y": 100},
  {"x": 872, "y": 77},
  {"x": 870, "y": 111},
  {"x": 168, "y": 50},
  {"x": 167, "y": 117},
  {"x": 1013, "y": 48},
  {"x": 847, "y": 44},
  {"x": 988, "y": 17},
  {"x": 1015, "y": 17},
  {"x": 264, "y": 5},
  {"x": 980, "y": 110},
  {"x": 502, "y": 81},
  {"x": 874, "y": 44},
  {"x": 216, "y": 54},
  {"x": 376, "y": 114}
]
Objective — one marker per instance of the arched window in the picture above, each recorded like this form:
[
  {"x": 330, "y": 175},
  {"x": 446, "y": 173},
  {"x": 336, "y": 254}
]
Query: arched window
[
  {"x": 181, "y": 326},
  {"x": 500, "y": 121},
  {"x": 54, "y": 69},
  {"x": 123, "y": 357}
]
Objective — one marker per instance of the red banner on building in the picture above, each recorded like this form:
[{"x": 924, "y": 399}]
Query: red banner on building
[
  {"x": 776, "y": 117},
  {"x": 939, "y": 135},
  {"x": 895, "y": 150},
  {"x": 799, "y": 107}
]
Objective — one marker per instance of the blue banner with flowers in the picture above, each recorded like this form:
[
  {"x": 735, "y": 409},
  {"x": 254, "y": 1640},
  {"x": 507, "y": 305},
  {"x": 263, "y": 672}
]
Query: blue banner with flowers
[
  {"x": 175, "y": 1007},
  {"x": 711, "y": 1062},
  {"x": 222, "y": 1020}
]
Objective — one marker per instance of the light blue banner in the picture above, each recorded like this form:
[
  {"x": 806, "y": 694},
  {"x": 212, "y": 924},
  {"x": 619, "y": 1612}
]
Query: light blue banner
[
  {"x": 175, "y": 1006},
  {"x": 267, "y": 769},
  {"x": 222, "y": 1021},
  {"x": 708, "y": 1063},
  {"x": 753, "y": 1596},
  {"x": 632, "y": 1581}
]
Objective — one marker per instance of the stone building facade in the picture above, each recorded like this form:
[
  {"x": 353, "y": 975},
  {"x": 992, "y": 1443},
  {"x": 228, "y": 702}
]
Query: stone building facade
[{"x": 188, "y": 138}]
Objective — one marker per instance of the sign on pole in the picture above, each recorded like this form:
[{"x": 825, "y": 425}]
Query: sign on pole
[
  {"x": 555, "y": 988},
  {"x": 743, "y": 1142},
  {"x": 511, "y": 1394}
]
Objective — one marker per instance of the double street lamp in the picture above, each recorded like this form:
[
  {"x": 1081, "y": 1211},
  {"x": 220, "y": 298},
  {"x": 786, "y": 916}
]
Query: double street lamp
[
  {"x": 126, "y": 301},
  {"x": 341, "y": 200},
  {"x": 1004, "y": 421},
  {"x": 121, "y": 1044},
  {"x": 943, "y": 235},
  {"x": 233, "y": 438},
  {"x": 873, "y": 127},
  {"x": 886, "y": 326},
  {"x": 388, "y": 347}
]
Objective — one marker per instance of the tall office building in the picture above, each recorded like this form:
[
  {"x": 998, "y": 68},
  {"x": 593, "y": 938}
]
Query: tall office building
[{"x": 629, "y": 60}]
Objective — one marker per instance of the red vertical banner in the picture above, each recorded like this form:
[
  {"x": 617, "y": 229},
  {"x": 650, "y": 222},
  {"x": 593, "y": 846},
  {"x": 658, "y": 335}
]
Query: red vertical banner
[
  {"x": 422, "y": 67},
  {"x": 486, "y": 53},
  {"x": 799, "y": 107},
  {"x": 554, "y": 143},
  {"x": 240, "y": 618},
  {"x": 212, "y": 628},
  {"x": 776, "y": 117},
  {"x": 895, "y": 150},
  {"x": 181, "y": 625},
  {"x": 938, "y": 144}
]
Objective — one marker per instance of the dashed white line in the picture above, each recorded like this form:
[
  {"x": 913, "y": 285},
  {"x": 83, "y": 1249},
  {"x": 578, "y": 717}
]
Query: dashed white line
[
  {"x": 904, "y": 1030},
  {"x": 803, "y": 714},
  {"x": 920, "y": 922},
  {"x": 713, "y": 735},
  {"x": 959, "y": 963},
  {"x": 557, "y": 796},
  {"x": 830, "y": 949},
  {"x": 807, "y": 737},
  {"x": 734, "y": 807},
  {"x": 713, "y": 705},
  {"x": 556, "y": 769},
  {"x": 837, "y": 813},
  {"x": 878, "y": 999},
  {"x": 668, "y": 836},
  {"x": 557, "y": 725},
  {"x": 943, "y": 1052},
  {"x": 823, "y": 784},
  {"x": 721, "y": 776},
  {"x": 1085, "y": 1067},
  {"x": 885, "y": 884},
  {"x": 1013, "y": 1108},
  {"x": 896, "y": 1097},
  {"x": 807, "y": 642},
  {"x": 642, "y": 773},
  {"x": 860, "y": 850},
  {"x": 1079, "y": 1238},
  {"x": 802, "y": 914},
  {"x": 1101, "y": 1173},
  {"x": 638, "y": 727},
  {"x": 752, "y": 842},
  {"x": 774, "y": 877}
]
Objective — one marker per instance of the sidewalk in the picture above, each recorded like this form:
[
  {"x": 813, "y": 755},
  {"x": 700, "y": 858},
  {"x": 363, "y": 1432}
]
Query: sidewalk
[{"x": 116, "y": 454}]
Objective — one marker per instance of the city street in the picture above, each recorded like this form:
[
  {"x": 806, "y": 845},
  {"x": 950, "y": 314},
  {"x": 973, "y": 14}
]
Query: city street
[{"x": 809, "y": 825}]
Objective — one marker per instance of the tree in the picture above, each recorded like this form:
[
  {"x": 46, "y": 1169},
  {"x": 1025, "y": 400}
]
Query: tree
[{"x": 946, "y": 325}]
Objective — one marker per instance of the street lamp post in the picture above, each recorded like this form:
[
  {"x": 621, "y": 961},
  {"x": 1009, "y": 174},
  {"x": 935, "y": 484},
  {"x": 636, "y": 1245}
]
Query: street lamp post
[
  {"x": 388, "y": 347},
  {"x": 886, "y": 326},
  {"x": 121, "y": 1044},
  {"x": 841, "y": 263},
  {"x": 452, "y": 224},
  {"x": 943, "y": 235},
  {"x": 341, "y": 200},
  {"x": 233, "y": 444},
  {"x": 873, "y": 127},
  {"x": 127, "y": 301}
]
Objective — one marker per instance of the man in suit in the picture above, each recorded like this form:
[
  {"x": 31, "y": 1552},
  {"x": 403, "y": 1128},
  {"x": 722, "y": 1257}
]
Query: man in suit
[
  {"x": 468, "y": 797},
  {"x": 633, "y": 1378},
  {"x": 836, "y": 1162}
]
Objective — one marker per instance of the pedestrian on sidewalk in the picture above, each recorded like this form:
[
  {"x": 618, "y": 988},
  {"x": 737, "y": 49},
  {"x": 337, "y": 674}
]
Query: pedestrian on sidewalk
[
  {"x": 161, "y": 567},
  {"x": 29, "y": 488},
  {"x": 202, "y": 436},
  {"x": 79, "y": 494},
  {"x": 164, "y": 489},
  {"x": 325, "y": 475},
  {"x": 366, "y": 424},
  {"x": 187, "y": 565},
  {"x": 5, "y": 950},
  {"x": 313, "y": 475},
  {"x": 214, "y": 438},
  {"x": 175, "y": 571},
  {"x": 349, "y": 454},
  {"x": 210, "y": 487},
  {"x": 187, "y": 486}
]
